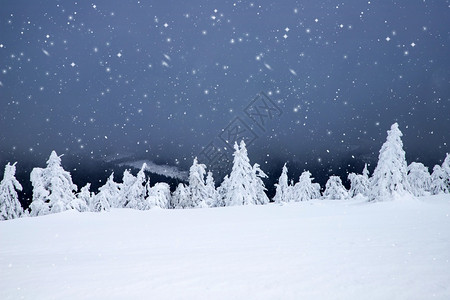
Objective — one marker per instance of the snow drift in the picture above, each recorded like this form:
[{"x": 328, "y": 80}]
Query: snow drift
[{"x": 320, "y": 249}]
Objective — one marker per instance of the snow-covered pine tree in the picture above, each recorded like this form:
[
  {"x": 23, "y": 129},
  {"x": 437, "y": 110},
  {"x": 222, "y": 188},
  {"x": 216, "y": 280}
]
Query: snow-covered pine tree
[
  {"x": 197, "y": 185},
  {"x": 390, "y": 176},
  {"x": 136, "y": 191},
  {"x": 305, "y": 189},
  {"x": 180, "y": 197},
  {"x": 159, "y": 196},
  {"x": 438, "y": 183},
  {"x": 334, "y": 190},
  {"x": 52, "y": 188},
  {"x": 108, "y": 193},
  {"x": 244, "y": 184},
  {"x": 86, "y": 196},
  {"x": 359, "y": 184},
  {"x": 10, "y": 207},
  {"x": 282, "y": 187},
  {"x": 419, "y": 179},
  {"x": 212, "y": 197}
]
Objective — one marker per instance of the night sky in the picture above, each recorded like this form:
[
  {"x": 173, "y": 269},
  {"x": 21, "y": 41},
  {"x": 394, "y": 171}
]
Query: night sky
[{"x": 104, "y": 81}]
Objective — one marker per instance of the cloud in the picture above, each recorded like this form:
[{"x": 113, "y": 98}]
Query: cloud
[{"x": 165, "y": 170}]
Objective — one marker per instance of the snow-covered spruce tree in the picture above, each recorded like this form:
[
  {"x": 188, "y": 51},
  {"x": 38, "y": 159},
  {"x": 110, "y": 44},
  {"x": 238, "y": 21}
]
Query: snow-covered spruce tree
[
  {"x": 419, "y": 179},
  {"x": 390, "y": 178},
  {"x": 244, "y": 185},
  {"x": 446, "y": 168},
  {"x": 159, "y": 196},
  {"x": 80, "y": 204},
  {"x": 108, "y": 193},
  {"x": 52, "y": 188},
  {"x": 212, "y": 197},
  {"x": 86, "y": 196},
  {"x": 197, "y": 185},
  {"x": 290, "y": 191},
  {"x": 438, "y": 183},
  {"x": 128, "y": 180},
  {"x": 134, "y": 194},
  {"x": 282, "y": 187},
  {"x": 305, "y": 189},
  {"x": 222, "y": 191},
  {"x": 260, "y": 189},
  {"x": 180, "y": 197},
  {"x": 366, "y": 171},
  {"x": 359, "y": 184},
  {"x": 10, "y": 207},
  {"x": 334, "y": 190}
]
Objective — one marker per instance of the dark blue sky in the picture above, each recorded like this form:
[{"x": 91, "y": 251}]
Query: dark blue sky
[{"x": 159, "y": 80}]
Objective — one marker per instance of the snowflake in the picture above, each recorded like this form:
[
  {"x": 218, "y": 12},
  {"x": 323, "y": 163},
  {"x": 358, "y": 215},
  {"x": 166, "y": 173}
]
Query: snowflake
[{"x": 72, "y": 64}]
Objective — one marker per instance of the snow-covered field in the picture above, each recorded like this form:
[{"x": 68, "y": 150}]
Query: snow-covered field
[{"x": 310, "y": 250}]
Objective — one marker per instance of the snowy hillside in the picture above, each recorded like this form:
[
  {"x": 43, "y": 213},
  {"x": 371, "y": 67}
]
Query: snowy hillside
[{"x": 320, "y": 249}]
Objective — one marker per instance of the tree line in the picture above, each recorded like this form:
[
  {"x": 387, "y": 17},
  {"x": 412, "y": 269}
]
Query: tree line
[{"x": 54, "y": 191}]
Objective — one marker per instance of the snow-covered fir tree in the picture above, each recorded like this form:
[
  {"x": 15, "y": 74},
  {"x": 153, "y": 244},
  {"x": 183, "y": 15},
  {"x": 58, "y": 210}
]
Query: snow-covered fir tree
[
  {"x": 86, "y": 196},
  {"x": 180, "y": 197},
  {"x": 334, "y": 190},
  {"x": 305, "y": 189},
  {"x": 53, "y": 189},
  {"x": 419, "y": 179},
  {"x": 359, "y": 184},
  {"x": 438, "y": 183},
  {"x": 212, "y": 197},
  {"x": 281, "y": 193},
  {"x": 10, "y": 207},
  {"x": 197, "y": 185},
  {"x": 134, "y": 194},
  {"x": 390, "y": 176},
  {"x": 159, "y": 196},
  {"x": 244, "y": 185},
  {"x": 108, "y": 193}
]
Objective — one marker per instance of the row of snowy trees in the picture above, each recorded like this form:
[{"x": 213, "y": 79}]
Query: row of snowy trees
[
  {"x": 54, "y": 191},
  {"x": 391, "y": 178}
]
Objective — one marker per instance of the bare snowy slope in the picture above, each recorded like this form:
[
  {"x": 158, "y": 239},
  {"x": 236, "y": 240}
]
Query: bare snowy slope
[{"x": 310, "y": 250}]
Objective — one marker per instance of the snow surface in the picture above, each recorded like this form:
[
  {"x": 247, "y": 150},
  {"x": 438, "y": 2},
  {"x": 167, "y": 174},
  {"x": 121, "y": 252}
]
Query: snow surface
[{"x": 320, "y": 249}]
